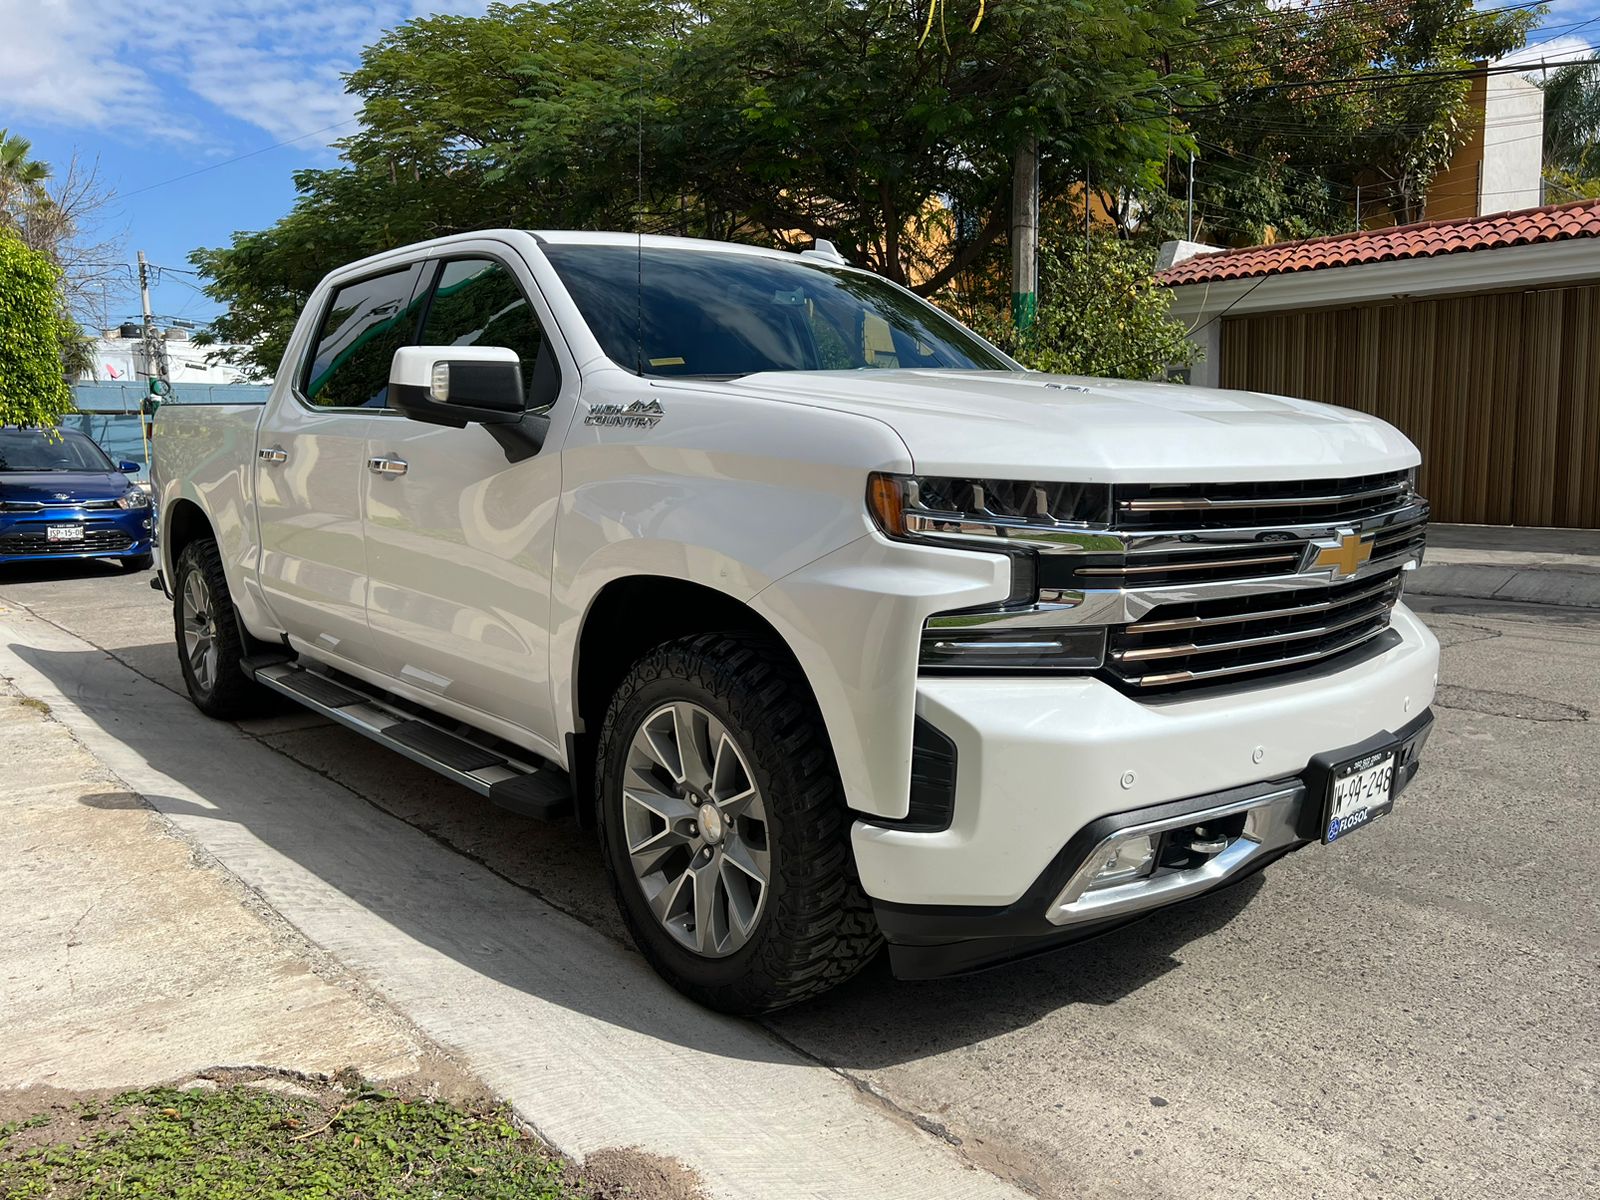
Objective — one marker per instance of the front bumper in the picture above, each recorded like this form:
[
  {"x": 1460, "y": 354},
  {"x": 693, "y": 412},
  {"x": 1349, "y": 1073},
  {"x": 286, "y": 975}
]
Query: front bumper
[
  {"x": 1040, "y": 763},
  {"x": 106, "y": 533},
  {"x": 1260, "y": 824}
]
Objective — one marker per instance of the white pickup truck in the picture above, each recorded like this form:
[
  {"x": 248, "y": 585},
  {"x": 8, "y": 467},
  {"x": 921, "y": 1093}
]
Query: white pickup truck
[{"x": 838, "y": 625}]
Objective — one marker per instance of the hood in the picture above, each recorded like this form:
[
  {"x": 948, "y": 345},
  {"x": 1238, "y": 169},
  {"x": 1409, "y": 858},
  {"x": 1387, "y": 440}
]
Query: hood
[
  {"x": 49, "y": 487},
  {"x": 1023, "y": 425}
]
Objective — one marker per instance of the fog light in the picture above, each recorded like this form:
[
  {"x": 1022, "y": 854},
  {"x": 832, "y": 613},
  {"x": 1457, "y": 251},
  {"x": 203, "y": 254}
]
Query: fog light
[{"x": 1121, "y": 861}]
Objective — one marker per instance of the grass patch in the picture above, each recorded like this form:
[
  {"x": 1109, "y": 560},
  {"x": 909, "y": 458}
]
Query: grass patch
[
  {"x": 240, "y": 1141},
  {"x": 38, "y": 706}
]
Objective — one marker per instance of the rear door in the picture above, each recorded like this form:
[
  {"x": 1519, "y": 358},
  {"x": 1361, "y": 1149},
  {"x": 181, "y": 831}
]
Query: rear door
[
  {"x": 459, "y": 545},
  {"x": 310, "y": 463}
]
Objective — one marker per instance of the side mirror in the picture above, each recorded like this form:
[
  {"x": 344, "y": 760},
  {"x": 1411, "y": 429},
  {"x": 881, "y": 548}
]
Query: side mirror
[
  {"x": 128, "y": 467},
  {"x": 457, "y": 385}
]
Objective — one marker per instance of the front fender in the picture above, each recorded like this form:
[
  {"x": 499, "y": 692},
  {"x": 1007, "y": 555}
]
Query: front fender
[{"x": 853, "y": 619}]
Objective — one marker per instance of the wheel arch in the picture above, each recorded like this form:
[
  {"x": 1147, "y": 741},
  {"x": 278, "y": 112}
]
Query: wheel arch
[
  {"x": 182, "y": 523},
  {"x": 615, "y": 633}
]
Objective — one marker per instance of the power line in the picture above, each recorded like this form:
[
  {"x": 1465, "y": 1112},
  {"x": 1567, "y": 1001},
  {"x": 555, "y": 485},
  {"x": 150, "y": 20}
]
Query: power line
[{"x": 236, "y": 158}]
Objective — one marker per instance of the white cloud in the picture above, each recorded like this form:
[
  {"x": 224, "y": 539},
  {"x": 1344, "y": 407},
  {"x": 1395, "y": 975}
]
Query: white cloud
[
  {"x": 146, "y": 69},
  {"x": 1556, "y": 49}
]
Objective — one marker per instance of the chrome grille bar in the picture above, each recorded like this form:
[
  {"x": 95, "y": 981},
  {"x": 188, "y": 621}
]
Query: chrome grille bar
[
  {"x": 1236, "y": 618},
  {"x": 1143, "y": 653},
  {"x": 1205, "y": 502},
  {"x": 1295, "y": 660}
]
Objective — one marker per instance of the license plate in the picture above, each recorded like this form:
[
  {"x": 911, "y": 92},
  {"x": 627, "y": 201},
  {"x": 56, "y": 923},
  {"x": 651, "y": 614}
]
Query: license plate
[
  {"x": 63, "y": 533},
  {"x": 1358, "y": 792}
]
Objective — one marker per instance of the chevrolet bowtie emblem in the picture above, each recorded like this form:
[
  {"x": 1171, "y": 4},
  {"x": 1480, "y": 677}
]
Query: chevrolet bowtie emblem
[{"x": 1341, "y": 557}]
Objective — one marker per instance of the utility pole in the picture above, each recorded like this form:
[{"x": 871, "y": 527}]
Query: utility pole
[
  {"x": 1358, "y": 208},
  {"x": 155, "y": 358},
  {"x": 1025, "y": 235}
]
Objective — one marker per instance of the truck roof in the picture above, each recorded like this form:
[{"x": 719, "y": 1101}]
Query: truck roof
[{"x": 570, "y": 237}]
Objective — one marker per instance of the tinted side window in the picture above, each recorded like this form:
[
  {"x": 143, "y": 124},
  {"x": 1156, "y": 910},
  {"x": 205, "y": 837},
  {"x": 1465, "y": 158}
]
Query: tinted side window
[
  {"x": 477, "y": 302},
  {"x": 365, "y": 324}
]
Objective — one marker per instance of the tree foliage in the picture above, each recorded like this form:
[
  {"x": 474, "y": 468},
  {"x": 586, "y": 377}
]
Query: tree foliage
[
  {"x": 33, "y": 390},
  {"x": 1100, "y": 312},
  {"x": 744, "y": 119},
  {"x": 1572, "y": 121},
  {"x": 1320, "y": 103},
  {"x": 780, "y": 123},
  {"x": 51, "y": 212}
]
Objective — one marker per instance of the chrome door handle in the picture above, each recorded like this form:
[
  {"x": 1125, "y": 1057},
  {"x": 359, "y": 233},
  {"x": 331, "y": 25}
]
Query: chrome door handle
[
  {"x": 272, "y": 454},
  {"x": 391, "y": 467}
]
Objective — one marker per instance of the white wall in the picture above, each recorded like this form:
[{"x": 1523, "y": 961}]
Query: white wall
[
  {"x": 122, "y": 359},
  {"x": 1513, "y": 145}
]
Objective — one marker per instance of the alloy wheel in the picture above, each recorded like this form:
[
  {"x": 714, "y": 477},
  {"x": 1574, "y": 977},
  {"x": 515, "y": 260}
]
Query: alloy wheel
[
  {"x": 696, "y": 829},
  {"x": 199, "y": 631}
]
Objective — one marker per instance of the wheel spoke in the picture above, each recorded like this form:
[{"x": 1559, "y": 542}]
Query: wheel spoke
[
  {"x": 649, "y": 854},
  {"x": 694, "y": 743},
  {"x": 731, "y": 789},
  {"x": 706, "y": 938},
  {"x": 757, "y": 864},
  {"x": 664, "y": 903},
  {"x": 660, "y": 742},
  {"x": 744, "y": 898}
]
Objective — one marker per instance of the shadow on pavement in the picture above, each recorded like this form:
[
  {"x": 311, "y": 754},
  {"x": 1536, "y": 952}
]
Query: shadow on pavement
[
  {"x": 485, "y": 923},
  {"x": 43, "y": 570}
]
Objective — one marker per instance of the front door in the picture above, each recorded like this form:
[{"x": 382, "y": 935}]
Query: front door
[
  {"x": 459, "y": 539},
  {"x": 311, "y": 461}
]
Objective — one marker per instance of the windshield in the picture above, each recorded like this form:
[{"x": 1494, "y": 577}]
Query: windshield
[
  {"x": 697, "y": 312},
  {"x": 50, "y": 450}
]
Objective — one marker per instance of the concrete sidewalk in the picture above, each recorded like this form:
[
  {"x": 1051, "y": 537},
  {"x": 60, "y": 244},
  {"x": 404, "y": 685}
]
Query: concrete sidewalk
[
  {"x": 128, "y": 961},
  {"x": 1522, "y": 565},
  {"x": 591, "y": 1048}
]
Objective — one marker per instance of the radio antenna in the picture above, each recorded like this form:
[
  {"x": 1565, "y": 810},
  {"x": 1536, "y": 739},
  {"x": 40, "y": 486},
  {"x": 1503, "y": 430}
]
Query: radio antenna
[{"x": 638, "y": 232}]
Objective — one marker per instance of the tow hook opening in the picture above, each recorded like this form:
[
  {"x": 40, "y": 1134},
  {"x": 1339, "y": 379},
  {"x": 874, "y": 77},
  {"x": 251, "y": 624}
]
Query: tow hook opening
[{"x": 1195, "y": 845}]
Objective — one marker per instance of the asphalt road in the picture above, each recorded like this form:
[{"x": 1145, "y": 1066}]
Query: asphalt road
[{"x": 1410, "y": 1013}]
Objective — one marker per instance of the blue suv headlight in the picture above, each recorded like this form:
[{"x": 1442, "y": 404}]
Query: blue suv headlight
[{"x": 133, "y": 498}]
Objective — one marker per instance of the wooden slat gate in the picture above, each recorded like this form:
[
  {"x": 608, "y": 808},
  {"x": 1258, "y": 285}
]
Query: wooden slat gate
[{"x": 1501, "y": 392}]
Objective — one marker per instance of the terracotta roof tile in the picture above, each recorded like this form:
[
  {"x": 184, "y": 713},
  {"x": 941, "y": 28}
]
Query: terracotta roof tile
[{"x": 1551, "y": 224}]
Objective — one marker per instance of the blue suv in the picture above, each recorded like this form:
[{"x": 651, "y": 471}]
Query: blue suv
[{"x": 61, "y": 497}]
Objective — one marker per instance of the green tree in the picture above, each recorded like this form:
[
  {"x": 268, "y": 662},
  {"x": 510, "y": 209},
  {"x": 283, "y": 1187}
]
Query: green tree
[
  {"x": 835, "y": 120},
  {"x": 33, "y": 390},
  {"x": 22, "y": 177},
  {"x": 1100, "y": 312},
  {"x": 1572, "y": 121},
  {"x": 753, "y": 119},
  {"x": 1320, "y": 103}
]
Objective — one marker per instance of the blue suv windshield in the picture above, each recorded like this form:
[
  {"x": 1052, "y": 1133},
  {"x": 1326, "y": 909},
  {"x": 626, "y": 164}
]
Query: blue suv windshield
[
  {"x": 722, "y": 314},
  {"x": 50, "y": 450}
]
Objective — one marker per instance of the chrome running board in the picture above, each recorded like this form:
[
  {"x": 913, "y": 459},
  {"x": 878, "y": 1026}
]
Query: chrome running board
[{"x": 528, "y": 786}]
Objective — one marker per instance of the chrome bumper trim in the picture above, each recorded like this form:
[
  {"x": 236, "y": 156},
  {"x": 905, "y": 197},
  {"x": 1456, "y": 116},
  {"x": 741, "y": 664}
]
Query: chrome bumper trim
[{"x": 1270, "y": 825}]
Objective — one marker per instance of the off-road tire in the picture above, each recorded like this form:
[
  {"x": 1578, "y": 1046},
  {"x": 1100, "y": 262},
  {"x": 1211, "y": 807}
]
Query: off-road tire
[
  {"x": 816, "y": 929},
  {"x": 233, "y": 694}
]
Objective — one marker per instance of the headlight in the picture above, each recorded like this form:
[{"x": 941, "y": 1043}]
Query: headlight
[
  {"x": 934, "y": 507},
  {"x": 133, "y": 498},
  {"x": 999, "y": 517}
]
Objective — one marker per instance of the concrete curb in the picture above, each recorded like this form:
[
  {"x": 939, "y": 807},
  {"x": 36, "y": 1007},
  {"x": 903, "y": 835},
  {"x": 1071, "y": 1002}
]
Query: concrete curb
[
  {"x": 1567, "y": 587},
  {"x": 588, "y": 1045}
]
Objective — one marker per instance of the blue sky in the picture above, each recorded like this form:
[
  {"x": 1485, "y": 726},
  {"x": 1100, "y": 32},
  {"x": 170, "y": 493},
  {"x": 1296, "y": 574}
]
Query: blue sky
[{"x": 160, "y": 91}]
